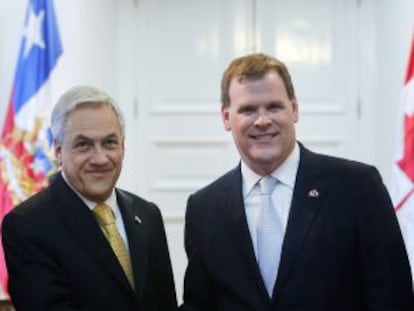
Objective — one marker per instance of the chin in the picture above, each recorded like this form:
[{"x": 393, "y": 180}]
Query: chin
[
  {"x": 99, "y": 195},
  {"x": 265, "y": 157}
]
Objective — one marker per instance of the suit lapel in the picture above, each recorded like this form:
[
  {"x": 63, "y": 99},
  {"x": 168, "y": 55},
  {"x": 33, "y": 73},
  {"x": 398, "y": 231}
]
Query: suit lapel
[
  {"x": 238, "y": 227},
  {"x": 137, "y": 240},
  {"x": 306, "y": 203},
  {"x": 82, "y": 225}
]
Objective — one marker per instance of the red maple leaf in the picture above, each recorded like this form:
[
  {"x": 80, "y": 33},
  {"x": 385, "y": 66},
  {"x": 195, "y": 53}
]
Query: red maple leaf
[{"x": 407, "y": 162}]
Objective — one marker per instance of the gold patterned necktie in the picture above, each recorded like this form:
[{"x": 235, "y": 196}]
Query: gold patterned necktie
[{"x": 106, "y": 220}]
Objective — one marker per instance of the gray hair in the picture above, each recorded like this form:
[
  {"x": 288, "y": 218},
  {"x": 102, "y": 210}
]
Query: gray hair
[{"x": 80, "y": 95}]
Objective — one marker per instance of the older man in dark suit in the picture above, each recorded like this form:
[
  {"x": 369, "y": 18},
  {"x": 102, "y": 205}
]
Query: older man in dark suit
[
  {"x": 289, "y": 229},
  {"x": 82, "y": 244}
]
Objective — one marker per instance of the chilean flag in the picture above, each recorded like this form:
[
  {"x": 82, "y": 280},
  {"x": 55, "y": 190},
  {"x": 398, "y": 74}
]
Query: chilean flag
[
  {"x": 26, "y": 155},
  {"x": 402, "y": 186}
]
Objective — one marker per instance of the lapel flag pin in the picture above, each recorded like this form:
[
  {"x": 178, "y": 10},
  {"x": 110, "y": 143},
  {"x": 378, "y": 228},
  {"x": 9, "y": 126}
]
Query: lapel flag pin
[
  {"x": 137, "y": 219},
  {"x": 313, "y": 193}
]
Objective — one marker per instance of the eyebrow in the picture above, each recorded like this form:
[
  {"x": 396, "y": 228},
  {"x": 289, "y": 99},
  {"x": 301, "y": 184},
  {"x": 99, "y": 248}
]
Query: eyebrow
[{"x": 83, "y": 137}]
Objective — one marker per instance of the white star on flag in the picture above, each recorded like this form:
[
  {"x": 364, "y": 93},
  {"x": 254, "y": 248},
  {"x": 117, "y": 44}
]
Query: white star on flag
[
  {"x": 38, "y": 166},
  {"x": 33, "y": 32}
]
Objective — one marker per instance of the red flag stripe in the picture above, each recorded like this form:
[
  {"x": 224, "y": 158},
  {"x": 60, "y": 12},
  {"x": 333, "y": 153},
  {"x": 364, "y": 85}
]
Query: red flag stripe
[{"x": 410, "y": 69}]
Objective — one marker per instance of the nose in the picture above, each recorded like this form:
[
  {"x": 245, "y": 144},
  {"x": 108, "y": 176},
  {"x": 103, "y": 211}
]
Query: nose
[
  {"x": 98, "y": 156},
  {"x": 263, "y": 120}
]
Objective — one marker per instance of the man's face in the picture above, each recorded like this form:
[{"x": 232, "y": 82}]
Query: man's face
[
  {"x": 92, "y": 151},
  {"x": 261, "y": 118}
]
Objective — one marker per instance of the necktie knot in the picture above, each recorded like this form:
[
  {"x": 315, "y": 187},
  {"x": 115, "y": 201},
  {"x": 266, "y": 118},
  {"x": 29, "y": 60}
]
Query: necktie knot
[
  {"x": 267, "y": 184},
  {"x": 104, "y": 214}
]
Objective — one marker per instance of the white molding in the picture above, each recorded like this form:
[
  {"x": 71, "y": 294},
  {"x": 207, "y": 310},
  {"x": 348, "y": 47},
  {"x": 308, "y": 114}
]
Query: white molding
[
  {"x": 213, "y": 108},
  {"x": 173, "y": 218},
  {"x": 177, "y": 140},
  {"x": 189, "y": 108},
  {"x": 179, "y": 184},
  {"x": 326, "y": 140},
  {"x": 320, "y": 108}
]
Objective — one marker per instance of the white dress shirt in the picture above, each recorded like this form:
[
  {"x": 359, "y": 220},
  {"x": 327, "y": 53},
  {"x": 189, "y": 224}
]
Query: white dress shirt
[{"x": 281, "y": 197}]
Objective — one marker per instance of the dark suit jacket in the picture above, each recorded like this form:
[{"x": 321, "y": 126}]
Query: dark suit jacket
[
  {"x": 342, "y": 248},
  {"x": 58, "y": 258}
]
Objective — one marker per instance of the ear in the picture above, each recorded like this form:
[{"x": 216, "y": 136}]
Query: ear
[
  {"x": 123, "y": 147},
  {"x": 295, "y": 109},
  {"x": 58, "y": 152},
  {"x": 225, "y": 116}
]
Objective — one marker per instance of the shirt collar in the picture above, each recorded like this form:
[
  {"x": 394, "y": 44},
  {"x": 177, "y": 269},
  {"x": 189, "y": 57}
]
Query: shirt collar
[
  {"x": 285, "y": 173},
  {"x": 111, "y": 201}
]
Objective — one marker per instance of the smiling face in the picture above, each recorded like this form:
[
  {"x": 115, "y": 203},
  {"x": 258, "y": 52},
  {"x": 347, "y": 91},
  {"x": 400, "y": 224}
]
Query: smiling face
[
  {"x": 262, "y": 120},
  {"x": 92, "y": 151}
]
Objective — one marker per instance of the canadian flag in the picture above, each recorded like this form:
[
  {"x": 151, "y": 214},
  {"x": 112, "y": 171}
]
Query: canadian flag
[{"x": 402, "y": 183}]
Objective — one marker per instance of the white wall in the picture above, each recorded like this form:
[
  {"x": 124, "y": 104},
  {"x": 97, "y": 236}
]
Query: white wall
[
  {"x": 394, "y": 30},
  {"x": 11, "y": 26}
]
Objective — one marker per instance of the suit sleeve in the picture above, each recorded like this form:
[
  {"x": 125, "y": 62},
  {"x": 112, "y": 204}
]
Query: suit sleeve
[
  {"x": 198, "y": 295},
  {"x": 29, "y": 258},
  {"x": 384, "y": 263}
]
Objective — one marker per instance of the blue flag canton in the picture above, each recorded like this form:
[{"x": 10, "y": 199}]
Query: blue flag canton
[{"x": 39, "y": 51}]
